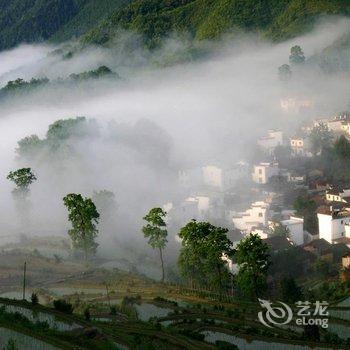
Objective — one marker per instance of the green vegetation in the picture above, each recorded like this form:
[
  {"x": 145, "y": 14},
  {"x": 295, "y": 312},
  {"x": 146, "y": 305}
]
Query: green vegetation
[
  {"x": 284, "y": 73},
  {"x": 28, "y": 21},
  {"x": 22, "y": 178},
  {"x": 21, "y": 21},
  {"x": 335, "y": 157},
  {"x": 200, "y": 260},
  {"x": 100, "y": 72},
  {"x": 280, "y": 230},
  {"x": 306, "y": 208},
  {"x": 320, "y": 138},
  {"x": 156, "y": 232},
  {"x": 296, "y": 55},
  {"x": 253, "y": 261},
  {"x": 83, "y": 217},
  {"x": 63, "y": 306},
  {"x": 19, "y": 87},
  {"x": 209, "y": 19},
  {"x": 290, "y": 292}
]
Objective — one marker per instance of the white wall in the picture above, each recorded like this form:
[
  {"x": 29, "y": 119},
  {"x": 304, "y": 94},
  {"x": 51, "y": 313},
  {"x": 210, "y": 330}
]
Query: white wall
[
  {"x": 331, "y": 228},
  {"x": 212, "y": 176},
  {"x": 296, "y": 229},
  {"x": 264, "y": 171},
  {"x": 255, "y": 215}
]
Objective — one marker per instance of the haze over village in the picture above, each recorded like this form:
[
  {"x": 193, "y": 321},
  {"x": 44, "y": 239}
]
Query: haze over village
[{"x": 172, "y": 193}]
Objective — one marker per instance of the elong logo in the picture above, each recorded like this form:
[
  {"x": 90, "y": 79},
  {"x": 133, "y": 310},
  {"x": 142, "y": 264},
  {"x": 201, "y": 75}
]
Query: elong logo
[{"x": 282, "y": 314}]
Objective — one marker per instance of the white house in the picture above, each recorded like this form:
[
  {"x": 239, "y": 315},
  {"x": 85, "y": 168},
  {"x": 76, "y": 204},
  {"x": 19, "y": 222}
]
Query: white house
[
  {"x": 295, "y": 227},
  {"x": 332, "y": 223},
  {"x": 339, "y": 123},
  {"x": 295, "y": 104},
  {"x": 183, "y": 212},
  {"x": 264, "y": 171},
  {"x": 223, "y": 178},
  {"x": 270, "y": 141},
  {"x": 190, "y": 178},
  {"x": 338, "y": 195},
  {"x": 255, "y": 216},
  {"x": 300, "y": 147}
]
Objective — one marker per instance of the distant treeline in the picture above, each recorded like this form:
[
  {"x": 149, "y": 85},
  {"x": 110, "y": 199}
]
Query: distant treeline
[{"x": 19, "y": 86}]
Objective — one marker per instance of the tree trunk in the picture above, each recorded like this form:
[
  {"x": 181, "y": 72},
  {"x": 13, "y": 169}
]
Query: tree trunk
[{"x": 161, "y": 260}]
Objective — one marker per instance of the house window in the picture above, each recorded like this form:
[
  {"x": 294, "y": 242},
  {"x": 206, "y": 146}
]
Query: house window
[
  {"x": 260, "y": 171},
  {"x": 260, "y": 215},
  {"x": 342, "y": 222}
]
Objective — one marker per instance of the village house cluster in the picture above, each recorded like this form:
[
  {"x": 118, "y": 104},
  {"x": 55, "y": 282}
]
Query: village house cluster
[{"x": 251, "y": 198}]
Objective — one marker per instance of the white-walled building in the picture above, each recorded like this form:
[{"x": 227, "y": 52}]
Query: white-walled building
[
  {"x": 199, "y": 207},
  {"x": 190, "y": 178},
  {"x": 338, "y": 195},
  {"x": 300, "y": 147},
  {"x": 338, "y": 124},
  {"x": 295, "y": 227},
  {"x": 295, "y": 104},
  {"x": 223, "y": 178},
  {"x": 257, "y": 215},
  {"x": 332, "y": 223},
  {"x": 270, "y": 141},
  {"x": 264, "y": 171}
]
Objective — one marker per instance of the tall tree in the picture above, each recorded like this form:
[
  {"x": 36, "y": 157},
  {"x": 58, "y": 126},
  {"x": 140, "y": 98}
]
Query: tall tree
[
  {"x": 156, "y": 232},
  {"x": 252, "y": 258},
  {"x": 108, "y": 208},
  {"x": 22, "y": 178},
  {"x": 296, "y": 55},
  {"x": 201, "y": 259},
  {"x": 84, "y": 217},
  {"x": 284, "y": 72},
  {"x": 306, "y": 208},
  {"x": 320, "y": 137},
  {"x": 290, "y": 292},
  {"x": 342, "y": 147}
]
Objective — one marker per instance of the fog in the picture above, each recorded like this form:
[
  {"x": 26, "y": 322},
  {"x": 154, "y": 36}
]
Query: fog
[{"x": 153, "y": 121}]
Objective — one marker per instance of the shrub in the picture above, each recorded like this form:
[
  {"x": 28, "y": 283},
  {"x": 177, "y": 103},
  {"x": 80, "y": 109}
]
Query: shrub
[
  {"x": 63, "y": 306},
  {"x": 87, "y": 314},
  {"x": 224, "y": 345},
  {"x": 34, "y": 299}
]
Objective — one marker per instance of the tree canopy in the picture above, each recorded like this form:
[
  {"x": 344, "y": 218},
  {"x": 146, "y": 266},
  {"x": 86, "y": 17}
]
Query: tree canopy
[
  {"x": 202, "y": 256},
  {"x": 155, "y": 231},
  {"x": 84, "y": 217},
  {"x": 22, "y": 178},
  {"x": 252, "y": 257},
  {"x": 296, "y": 55}
]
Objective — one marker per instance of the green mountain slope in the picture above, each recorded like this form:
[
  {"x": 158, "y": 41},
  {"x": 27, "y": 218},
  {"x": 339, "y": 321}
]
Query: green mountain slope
[
  {"x": 33, "y": 20},
  {"x": 88, "y": 17},
  {"x": 59, "y": 20},
  {"x": 39, "y": 20},
  {"x": 206, "y": 19}
]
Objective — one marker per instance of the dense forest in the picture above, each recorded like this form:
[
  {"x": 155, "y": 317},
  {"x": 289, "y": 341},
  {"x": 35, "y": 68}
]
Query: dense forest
[{"x": 39, "y": 20}]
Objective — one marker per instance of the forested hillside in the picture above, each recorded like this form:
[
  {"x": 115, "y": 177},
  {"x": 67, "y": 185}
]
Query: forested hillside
[
  {"x": 58, "y": 20},
  {"x": 39, "y": 20},
  {"x": 207, "y": 19}
]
